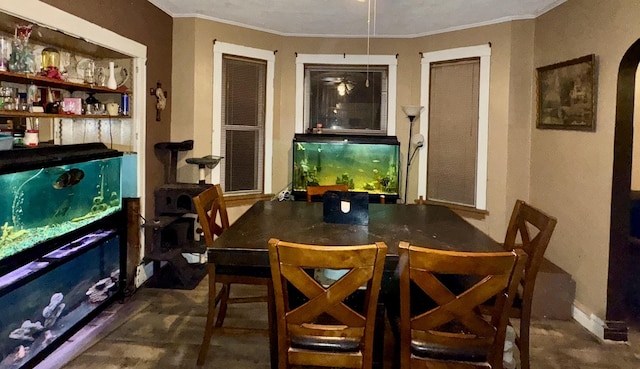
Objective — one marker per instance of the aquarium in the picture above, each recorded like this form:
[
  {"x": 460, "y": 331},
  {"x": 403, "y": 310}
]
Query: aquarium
[
  {"x": 364, "y": 163},
  {"x": 42, "y": 302},
  {"x": 49, "y": 193}
]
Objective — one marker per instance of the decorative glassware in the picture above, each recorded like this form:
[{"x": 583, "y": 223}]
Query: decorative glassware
[
  {"x": 111, "y": 82},
  {"x": 5, "y": 52},
  {"x": 89, "y": 73},
  {"x": 50, "y": 58},
  {"x": 22, "y": 59}
]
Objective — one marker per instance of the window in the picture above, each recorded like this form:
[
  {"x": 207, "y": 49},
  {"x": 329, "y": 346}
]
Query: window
[
  {"x": 242, "y": 118},
  {"x": 455, "y": 93},
  {"x": 347, "y": 94}
]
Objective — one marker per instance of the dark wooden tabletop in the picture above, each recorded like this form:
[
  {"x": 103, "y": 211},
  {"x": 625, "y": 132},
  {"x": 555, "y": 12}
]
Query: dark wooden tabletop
[{"x": 244, "y": 244}]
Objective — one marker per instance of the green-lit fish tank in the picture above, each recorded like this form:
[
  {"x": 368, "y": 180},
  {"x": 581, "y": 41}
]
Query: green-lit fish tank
[
  {"x": 48, "y": 192},
  {"x": 364, "y": 163},
  {"x": 62, "y": 227}
]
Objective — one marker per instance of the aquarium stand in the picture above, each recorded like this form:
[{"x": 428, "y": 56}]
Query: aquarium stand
[{"x": 62, "y": 246}]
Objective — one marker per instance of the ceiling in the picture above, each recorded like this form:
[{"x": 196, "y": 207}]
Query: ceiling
[{"x": 348, "y": 18}]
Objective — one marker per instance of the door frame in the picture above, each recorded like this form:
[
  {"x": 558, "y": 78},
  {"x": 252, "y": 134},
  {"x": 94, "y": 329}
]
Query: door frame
[{"x": 616, "y": 327}]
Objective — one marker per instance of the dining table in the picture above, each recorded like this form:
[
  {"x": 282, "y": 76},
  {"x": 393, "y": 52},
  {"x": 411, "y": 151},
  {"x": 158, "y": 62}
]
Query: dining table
[{"x": 243, "y": 248}]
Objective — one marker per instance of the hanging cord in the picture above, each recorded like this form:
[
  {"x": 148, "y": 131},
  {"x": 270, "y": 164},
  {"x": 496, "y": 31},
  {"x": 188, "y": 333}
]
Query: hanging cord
[
  {"x": 366, "y": 83},
  {"x": 99, "y": 128},
  {"x": 110, "y": 134},
  {"x": 59, "y": 131},
  {"x": 375, "y": 16}
]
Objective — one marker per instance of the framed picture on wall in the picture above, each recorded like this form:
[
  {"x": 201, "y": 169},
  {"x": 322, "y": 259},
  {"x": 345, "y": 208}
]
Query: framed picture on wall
[{"x": 566, "y": 95}]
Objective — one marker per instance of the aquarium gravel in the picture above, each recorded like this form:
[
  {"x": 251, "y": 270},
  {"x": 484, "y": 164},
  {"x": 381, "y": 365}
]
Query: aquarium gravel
[{"x": 38, "y": 235}]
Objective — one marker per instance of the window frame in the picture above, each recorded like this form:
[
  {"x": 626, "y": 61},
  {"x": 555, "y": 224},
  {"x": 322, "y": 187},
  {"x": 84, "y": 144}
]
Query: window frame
[
  {"x": 390, "y": 61},
  {"x": 219, "y": 49},
  {"x": 483, "y": 52}
]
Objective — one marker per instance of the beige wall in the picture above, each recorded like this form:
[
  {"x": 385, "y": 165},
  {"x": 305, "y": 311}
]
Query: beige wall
[
  {"x": 143, "y": 22},
  {"x": 509, "y": 112},
  {"x": 566, "y": 173},
  {"x": 571, "y": 172}
]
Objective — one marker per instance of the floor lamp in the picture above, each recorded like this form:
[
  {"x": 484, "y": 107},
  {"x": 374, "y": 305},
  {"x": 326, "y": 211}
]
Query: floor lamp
[{"x": 411, "y": 111}]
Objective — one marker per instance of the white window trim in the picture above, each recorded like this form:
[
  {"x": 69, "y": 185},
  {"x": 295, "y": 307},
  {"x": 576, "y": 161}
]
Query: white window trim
[
  {"x": 220, "y": 48},
  {"x": 340, "y": 59},
  {"x": 484, "y": 53}
]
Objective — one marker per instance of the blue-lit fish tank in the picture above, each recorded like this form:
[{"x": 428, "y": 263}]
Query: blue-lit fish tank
[
  {"x": 364, "y": 163},
  {"x": 42, "y": 301}
]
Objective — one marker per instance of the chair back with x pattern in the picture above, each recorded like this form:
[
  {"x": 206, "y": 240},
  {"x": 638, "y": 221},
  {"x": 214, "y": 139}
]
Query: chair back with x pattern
[
  {"x": 324, "y": 330},
  {"x": 525, "y": 219},
  {"x": 210, "y": 206},
  {"x": 453, "y": 330},
  {"x": 531, "y": 230},
  {"x": 214, "y": 220}
]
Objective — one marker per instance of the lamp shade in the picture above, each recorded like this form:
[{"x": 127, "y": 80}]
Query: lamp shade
[
  {"x": 417, "y": 140},
  {"x": 412, "y": 110}
]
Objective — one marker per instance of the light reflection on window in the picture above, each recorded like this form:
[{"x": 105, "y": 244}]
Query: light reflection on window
[{"x": 346, "y": 98}]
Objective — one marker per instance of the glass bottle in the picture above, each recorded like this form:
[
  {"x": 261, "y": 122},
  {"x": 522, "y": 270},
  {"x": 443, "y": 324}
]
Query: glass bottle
[
  {"x": 5, "y": 52},
  {"x": 111, "y": 82}
]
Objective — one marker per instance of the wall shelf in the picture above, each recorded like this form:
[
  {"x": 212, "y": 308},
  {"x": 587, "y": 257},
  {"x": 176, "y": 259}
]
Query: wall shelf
[
  {"x": 17, "y": 113},
  {"x": 41, "y": 81}
]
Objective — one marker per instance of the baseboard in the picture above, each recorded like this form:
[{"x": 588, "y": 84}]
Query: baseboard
[{"x": 590, "y": 322}]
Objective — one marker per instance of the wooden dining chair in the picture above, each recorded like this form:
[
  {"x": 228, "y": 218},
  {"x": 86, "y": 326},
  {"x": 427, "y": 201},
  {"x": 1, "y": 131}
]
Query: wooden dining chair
[
  {"x": 452, "y": 332},
  {"x": 325, "y": 330},
  {"x": 529, "y": 229},
  {"x": 320, "y": 190},
  {"x": 214, "y": 220}
]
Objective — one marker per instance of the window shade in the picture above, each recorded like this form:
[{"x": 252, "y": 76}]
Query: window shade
[
  {"x": 243, "y": 116},
  {"x": 453, "y": 131}
]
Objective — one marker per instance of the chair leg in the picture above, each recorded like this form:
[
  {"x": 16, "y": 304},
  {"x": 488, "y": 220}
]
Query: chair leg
[
  {"x": 273, "y": 327},
  {"x": 522, "y": 340},
  {"x": 208, "y": 331},
  {"x": 222, "y": 312}
]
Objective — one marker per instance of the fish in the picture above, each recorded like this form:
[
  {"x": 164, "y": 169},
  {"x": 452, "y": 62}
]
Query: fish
[
  {"x": 375, "y": 160},
  {"x": 69, "y": 178},
  {"x": 62, "y": 210}
]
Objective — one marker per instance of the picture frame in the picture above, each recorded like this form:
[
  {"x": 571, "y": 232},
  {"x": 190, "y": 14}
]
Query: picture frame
[{"x": 566, "y": 97}]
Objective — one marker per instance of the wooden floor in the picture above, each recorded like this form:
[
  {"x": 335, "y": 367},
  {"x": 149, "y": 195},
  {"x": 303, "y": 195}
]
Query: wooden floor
[{"x": 162, "y": 328}]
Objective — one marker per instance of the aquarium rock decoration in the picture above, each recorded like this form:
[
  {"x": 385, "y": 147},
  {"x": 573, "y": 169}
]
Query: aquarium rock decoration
[
  {"x": 100, "y": 291},
  {"x": 99, "y": 205},
  {"x": 9, "y": 234},
  {"x": 49, "y": 337},
  {"x": 20, "y": 353},
  {"x": 27, "y": 331},
  {"x": 345, "y": 179},
  {"x": 52, "y": 311}
]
